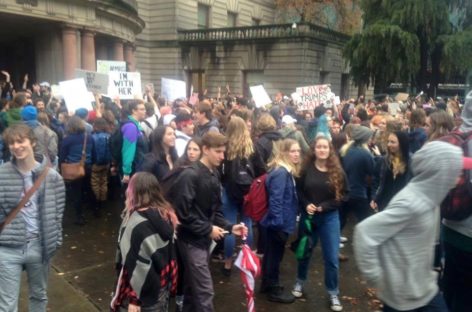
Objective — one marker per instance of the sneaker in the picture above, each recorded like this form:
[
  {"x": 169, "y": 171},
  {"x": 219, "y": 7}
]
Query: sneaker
[
  {"x": 297, "y": 290},
  {"x": 277, "y": 294},
  {"x": 343, "y": 239},
  {"x": 335, "y": 304},
  {"x": 341, "y": 245},
  {"x": 226, "y": 272}
]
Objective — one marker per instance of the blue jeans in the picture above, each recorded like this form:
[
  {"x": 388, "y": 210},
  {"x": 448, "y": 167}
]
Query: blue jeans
[
  {"x": 437, "y": 304},
  {"x": 230, "y": 211},
  {"x": 325, "y": 227},
  {"x": 12, "y": 262}
]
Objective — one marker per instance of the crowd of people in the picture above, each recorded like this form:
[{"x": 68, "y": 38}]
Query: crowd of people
[{"x": 184, "y": 169}]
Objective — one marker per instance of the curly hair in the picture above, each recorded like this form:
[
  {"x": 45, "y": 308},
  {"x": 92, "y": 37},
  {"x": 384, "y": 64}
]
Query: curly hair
[{"x": 335, "y": 171}]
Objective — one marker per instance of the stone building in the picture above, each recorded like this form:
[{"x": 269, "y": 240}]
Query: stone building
[
  {"x": 49, "y": 39},
  {"x": 211, "y": 43}
]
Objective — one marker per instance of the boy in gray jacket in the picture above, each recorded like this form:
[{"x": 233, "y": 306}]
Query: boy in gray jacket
[{"x": 394, "y": 249}]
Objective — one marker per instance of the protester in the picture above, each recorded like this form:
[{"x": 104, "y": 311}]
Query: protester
[
  {"x": 205, "y": 121},
  {"x": 280, "y": 220},
  {"x": 83, "y": 114},
  {"x": 193, "y": 152},
  {"x": 31, "y": 239},
  {"x": 163, "y": 154},
  {"x": 394, "y": 249},
  {"x": 197, "y": 200},
  {"x": 395, "y": 171},
  {"x": 322, "y": 190},
  {"x": 266, "y": 129},
  {"x": 417, "y": 132},
  {"x": 439, "y": 124},
  {"x": 184, "y": 131},
  {"x": 71, "y": 152},
  {"x": 147, "y": 267},
  {"x": 238, "y": 174},
  {"x": 290, "y": 131}
]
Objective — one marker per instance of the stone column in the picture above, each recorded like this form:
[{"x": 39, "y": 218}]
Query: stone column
[
  {"x": 69, "y": 50},
  {"x": 88, "y": 50},
  {"x": 129, "y": 57},
  {"x": 118, "y": 54}
]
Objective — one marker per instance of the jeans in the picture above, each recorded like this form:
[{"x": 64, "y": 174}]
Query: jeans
[
  {"x": 437, "y": 304},
  {"x": 325, "y": 226},
  {"x": 457, "y": 279},
  {"x": 198, "y": 285},
  {"x": 359, "y": 206},
  {"x": 12, "y": 262},
  {"x": 230, "y": 211},
  {"x": 273, "y": 255}
]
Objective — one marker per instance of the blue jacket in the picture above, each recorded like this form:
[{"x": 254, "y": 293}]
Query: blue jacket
[
  {"x": 358, "y": 163},
  {"x": 282, "y": 201},
  {"x": 101, "y": 153},
  {"x": 71, "y": 149}
]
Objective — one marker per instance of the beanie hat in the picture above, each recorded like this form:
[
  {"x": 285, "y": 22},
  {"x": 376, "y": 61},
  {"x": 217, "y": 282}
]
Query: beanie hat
[
  {"x": 81, "y": 112},
  {"x": 361, "y": 134},
  {"x": 29, "y": 113}
]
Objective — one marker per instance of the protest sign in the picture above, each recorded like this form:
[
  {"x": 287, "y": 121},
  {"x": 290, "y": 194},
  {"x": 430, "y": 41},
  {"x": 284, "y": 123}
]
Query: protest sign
[
  {"x": 393, "y": 108},
  {"x": 104, "y": 67},
  {"x": 75, "y": 94},
  {"x": 172, "y": 89},
  {"x": 402, "y": 97},
  {"x": 313, "y": 96},
  {"x": 95, "y": 82},
  {"x": 260, "y": 96},
  {"x": 126, "y": 86}
]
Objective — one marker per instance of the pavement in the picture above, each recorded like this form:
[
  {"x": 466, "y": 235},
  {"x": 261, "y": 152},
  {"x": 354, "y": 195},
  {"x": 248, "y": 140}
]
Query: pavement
[{"x": 82, "y": 274}]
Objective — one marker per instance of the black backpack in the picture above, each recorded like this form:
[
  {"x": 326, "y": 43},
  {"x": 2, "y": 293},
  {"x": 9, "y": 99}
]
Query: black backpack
[
  {"x": 241, "y": 174},
  {"x": 116, "y": 143}
]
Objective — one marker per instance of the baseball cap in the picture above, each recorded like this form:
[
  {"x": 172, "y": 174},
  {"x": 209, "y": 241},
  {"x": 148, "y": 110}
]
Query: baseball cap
[{"x": 287, "y": 119}]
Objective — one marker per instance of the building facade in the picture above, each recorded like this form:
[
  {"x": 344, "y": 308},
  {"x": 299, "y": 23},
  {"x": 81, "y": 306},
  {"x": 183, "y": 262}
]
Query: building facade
[
  {"x": 49, "y": 39},
  {"x": 214, "y": 43}
]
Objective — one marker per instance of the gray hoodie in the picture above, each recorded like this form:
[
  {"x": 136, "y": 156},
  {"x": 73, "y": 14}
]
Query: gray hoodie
[{"x": 394, "y": 249}]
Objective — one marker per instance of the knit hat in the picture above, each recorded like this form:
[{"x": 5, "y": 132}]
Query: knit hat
[
  {"x": 81, "y": 112},
  {"x": 29, "y": 113},
  {"x": 361, "y": 134}
]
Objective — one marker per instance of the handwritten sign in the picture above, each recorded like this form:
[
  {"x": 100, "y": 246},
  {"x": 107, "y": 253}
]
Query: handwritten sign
[
  {"x": 95, "y": 82},
  {"x": 172, "y": 89},
  {"x": 104, "y": 67},
  {"x": 316, "y": 95},
  {"x": 75, "y": 94},
  {"x": 260, "y": 96},
  {"x": 126, "y": 86}
]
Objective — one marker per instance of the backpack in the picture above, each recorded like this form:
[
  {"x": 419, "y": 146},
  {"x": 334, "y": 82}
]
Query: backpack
[
  {"x": 240, "y": 179},
  {"x": 458, "y": 203},
  {"x": 101, "y": 142},
  {"x": 169, "y": 181},
  {"x": 116, "y": 143},
  {"x": 255, "y": 201}
]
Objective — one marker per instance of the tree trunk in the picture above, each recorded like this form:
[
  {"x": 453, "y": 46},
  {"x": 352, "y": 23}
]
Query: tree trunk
[
  {"x": 436, "y": 72},
  {"x": 421, "y": 78}
]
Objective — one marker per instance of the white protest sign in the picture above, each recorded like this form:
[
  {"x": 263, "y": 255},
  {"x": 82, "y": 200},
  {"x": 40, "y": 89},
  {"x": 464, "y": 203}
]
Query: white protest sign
[
  {"x": 313, "y": 96},
  {"x": 393, "y": 108},
  {"x": 104, "y": 67},
  {"x": 172, "y": 89},
  {"x": 337, "y": 100},
  {"x": 75, "y": 94},
  {"x": 127, "y": 86},
  {"x": 260, "y": 96},
  {"x": 95, "y": 82}
]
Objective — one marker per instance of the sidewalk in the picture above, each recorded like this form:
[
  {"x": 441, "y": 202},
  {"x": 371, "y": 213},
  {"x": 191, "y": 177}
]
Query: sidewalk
[{"x": 62, "y": 296}]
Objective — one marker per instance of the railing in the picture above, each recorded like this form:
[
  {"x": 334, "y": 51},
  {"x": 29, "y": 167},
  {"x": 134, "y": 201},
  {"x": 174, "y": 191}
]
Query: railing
[{"x": 261, "y": 32}]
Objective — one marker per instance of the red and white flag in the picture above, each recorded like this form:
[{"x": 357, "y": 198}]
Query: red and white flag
[{"x": 250, "y": 267}]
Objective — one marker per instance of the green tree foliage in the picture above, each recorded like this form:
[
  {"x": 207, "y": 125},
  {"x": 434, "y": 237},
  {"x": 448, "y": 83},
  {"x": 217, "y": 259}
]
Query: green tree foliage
[{"x": 409, "y": 41}]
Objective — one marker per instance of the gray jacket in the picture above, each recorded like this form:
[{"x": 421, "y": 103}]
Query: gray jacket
[{"x": 51, "y": 208}]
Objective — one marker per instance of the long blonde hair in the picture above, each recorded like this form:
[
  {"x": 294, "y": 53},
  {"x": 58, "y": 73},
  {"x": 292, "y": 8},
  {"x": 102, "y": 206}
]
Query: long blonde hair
[
  {"x": 280, "y": 157},
  {"x": 239, "y": 139}
]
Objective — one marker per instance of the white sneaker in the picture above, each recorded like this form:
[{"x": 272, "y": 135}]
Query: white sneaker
[
  {"x": 335, "y": 304},
  {"x": 343, "y": 239},
  {"x": 297, "y": 290},
  {"x": 341, "y": 245}
]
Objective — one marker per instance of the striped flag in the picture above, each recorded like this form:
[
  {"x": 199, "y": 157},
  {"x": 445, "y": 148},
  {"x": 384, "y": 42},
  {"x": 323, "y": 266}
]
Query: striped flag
[{"x": 250, "y": 267}]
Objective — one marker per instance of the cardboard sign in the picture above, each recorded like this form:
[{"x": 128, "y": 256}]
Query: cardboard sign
[
  {"x": 104, "y": 67},
  {"x": 260, "y": 96},
  {"x": 95, "y": 82},
  {"x": 313, "y": 96},
  {"x": 127, "y": 86},
  {"x": 402, "y": 97},
  {"x": 75, "y": 94},
  {"x": 172, "y": 89},
  {"x": 393, "y": 108}
]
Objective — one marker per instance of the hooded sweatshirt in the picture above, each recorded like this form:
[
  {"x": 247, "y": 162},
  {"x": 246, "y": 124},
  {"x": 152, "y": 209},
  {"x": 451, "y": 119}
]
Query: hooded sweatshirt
[
  {"x": 394, "y": 249},
  {"x": 463, "y": 227}
]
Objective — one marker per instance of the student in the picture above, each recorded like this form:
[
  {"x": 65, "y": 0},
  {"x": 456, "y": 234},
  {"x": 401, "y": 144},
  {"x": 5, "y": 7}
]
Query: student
[
  {"x": 280, "y": 220},
  {"x": 146, "y": 252},
  {"x": 197, "y": 200},
  {"x": 394, "y": 249},
  {"x": 31, "y": 239},
  {"x": 101, "y": 158},
  {"x": 322, "y": 189}
]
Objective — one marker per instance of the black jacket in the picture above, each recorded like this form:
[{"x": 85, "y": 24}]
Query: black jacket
[
  {"x": 196, "y": 197},
  {"x": 263, "y": 147}
]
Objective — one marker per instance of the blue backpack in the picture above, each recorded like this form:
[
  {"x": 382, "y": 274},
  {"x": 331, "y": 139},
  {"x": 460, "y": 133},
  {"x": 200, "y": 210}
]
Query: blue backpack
[{"x": 101, "y": 143}]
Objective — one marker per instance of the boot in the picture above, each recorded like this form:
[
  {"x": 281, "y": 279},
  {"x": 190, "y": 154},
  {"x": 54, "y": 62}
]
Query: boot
[{"x": 276, "y": 294}]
